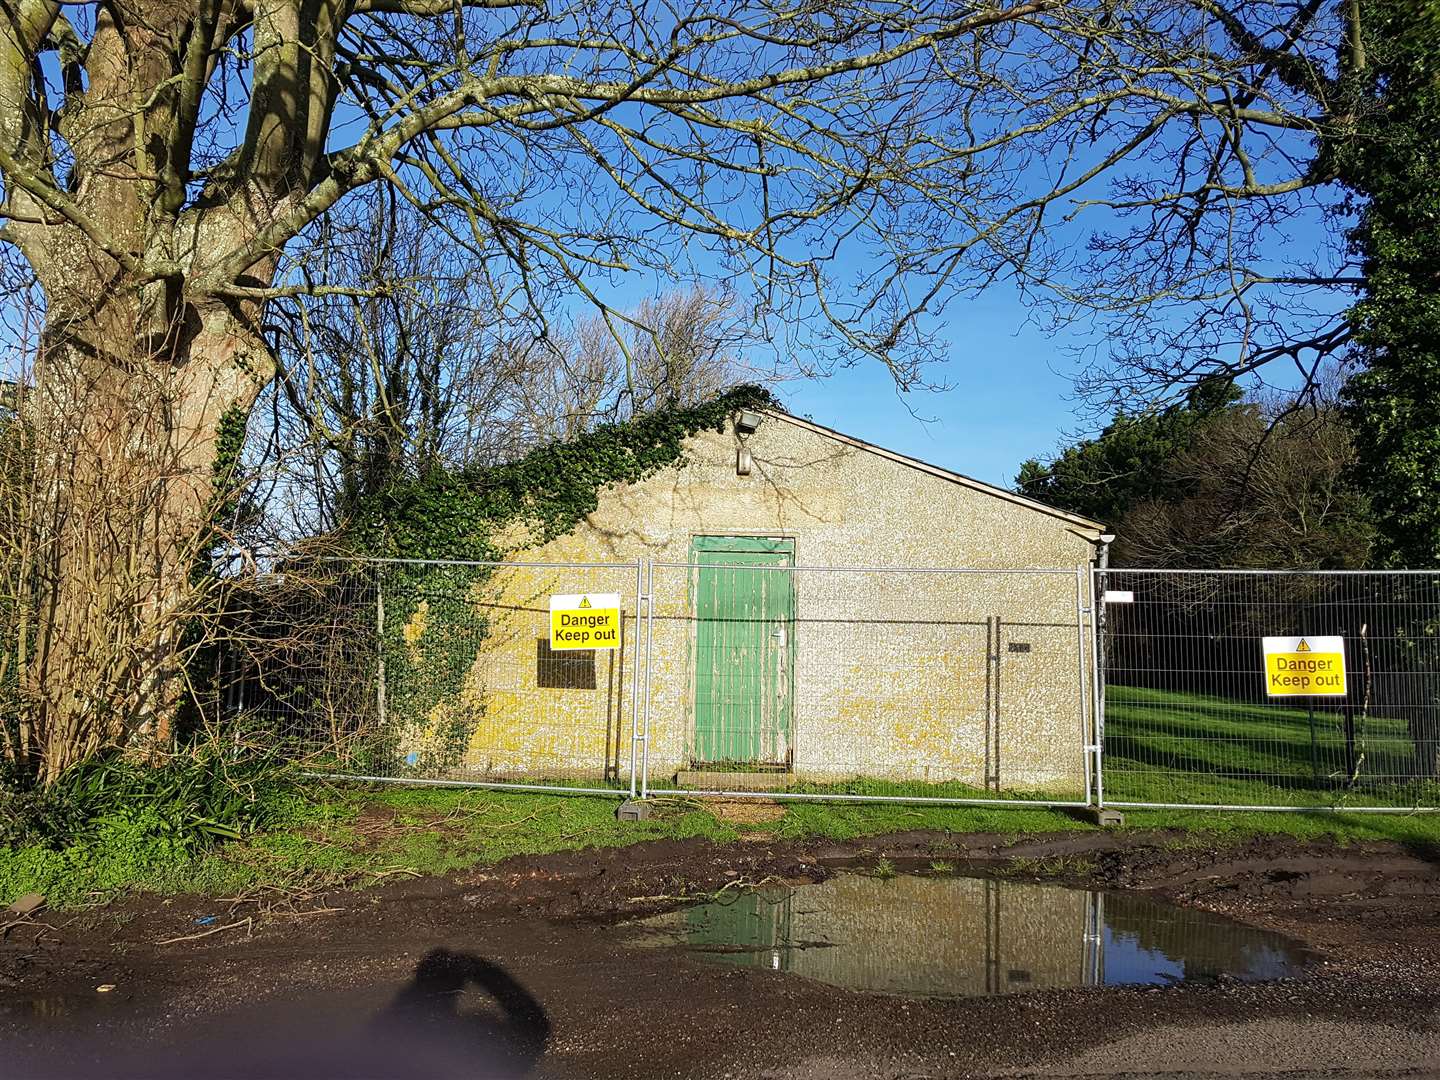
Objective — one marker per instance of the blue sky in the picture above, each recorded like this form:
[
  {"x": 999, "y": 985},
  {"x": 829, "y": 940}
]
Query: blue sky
[
  {"x": 1010, "y": 393},
  {"x": 1010, "y": 398}
]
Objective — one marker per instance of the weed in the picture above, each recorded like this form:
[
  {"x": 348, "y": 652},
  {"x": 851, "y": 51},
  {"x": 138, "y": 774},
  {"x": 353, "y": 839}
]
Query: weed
[
  {"x": 884, "y": 869},
  {"x": 207, "y": 794},
  {"x": 113, "y": 822},
  {"x": 940, "y": 866}
]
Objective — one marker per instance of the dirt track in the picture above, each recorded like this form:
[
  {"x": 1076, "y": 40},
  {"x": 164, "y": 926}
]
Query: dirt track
[{"x": 534, "y": 933}]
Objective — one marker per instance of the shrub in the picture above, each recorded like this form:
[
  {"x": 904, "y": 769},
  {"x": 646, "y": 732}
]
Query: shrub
[{"x": 208, "y": 793}]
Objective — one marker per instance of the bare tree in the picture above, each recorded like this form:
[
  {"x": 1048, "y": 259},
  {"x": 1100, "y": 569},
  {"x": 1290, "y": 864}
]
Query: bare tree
[
  {"x": 677, "y": 349},
  {"x": 1226, "y": 253},
  {"x": 417, "y": 371},
  {"x": 404, "y": 368},
  {"x": 850, "y": 167},
  {"x": 681, "y": 356}
]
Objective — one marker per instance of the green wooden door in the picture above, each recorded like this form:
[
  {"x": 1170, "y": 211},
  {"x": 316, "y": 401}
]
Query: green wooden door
[{"x": 744, "y": 650}]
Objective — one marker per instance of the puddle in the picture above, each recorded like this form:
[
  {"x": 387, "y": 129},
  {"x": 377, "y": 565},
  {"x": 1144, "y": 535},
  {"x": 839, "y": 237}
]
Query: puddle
[{"x": 969, "y": 937}]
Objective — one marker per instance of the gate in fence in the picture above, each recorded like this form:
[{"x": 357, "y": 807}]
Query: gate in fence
[{"x": 741, "y": 674}]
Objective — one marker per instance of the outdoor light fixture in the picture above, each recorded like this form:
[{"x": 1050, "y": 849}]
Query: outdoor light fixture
[
  {"x": 747, "y": 422},
  {"x": 744, "y": 462},
  {"x": 1102, "y": 556}
]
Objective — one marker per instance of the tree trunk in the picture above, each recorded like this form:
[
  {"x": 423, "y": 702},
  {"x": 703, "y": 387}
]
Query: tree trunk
[{"x": 126, "y": 489}]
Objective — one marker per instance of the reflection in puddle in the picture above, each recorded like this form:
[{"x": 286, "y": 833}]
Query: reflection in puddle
[{"x": 966, "y": 937}]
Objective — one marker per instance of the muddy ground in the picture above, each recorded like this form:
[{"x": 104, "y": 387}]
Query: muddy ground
[{"x": 327, "y": 985}]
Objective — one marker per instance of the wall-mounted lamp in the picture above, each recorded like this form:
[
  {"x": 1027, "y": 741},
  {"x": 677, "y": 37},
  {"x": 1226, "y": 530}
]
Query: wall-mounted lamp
[
  {"x": 747, "y": 422},
  {"x": 1102, "y": 556}
]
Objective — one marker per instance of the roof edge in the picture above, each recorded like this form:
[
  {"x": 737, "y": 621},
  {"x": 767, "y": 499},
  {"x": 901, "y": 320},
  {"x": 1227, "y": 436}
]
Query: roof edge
[{"x": 935, "y": 470}]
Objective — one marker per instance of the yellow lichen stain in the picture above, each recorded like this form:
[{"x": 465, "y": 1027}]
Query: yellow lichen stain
[
  {"x": 505, "y": 731},
  {"x": 536, "y": 731},
  {"x": 426, "y": 740},
  {"x": 892, "y": 676},
  {"x": 414, "y": 629}
]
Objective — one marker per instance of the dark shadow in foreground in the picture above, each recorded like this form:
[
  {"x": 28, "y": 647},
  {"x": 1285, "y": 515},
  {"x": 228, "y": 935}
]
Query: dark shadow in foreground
[
  {"x": 460, "y": 1018},
  {"x": 428, "y": 1010}
]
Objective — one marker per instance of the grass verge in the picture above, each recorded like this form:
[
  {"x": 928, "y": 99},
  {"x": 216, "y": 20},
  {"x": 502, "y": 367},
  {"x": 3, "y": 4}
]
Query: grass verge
[{"x": 352, "y": 836}]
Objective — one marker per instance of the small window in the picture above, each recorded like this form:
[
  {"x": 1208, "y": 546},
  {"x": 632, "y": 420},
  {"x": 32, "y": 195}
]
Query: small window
[{"x": 568, "y": 669}]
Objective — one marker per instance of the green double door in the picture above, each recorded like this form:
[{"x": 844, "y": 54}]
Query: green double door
[{"x": 744, "y": 650}]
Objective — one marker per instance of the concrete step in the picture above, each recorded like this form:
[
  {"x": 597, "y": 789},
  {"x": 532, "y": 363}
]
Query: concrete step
[{"x": 726, "y": 780}]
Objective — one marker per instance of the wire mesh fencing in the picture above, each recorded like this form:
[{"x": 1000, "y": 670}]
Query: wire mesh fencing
[
  {"x": 1263, "y": 689},
  {"x": 766, "y": 678},
  {"x": 737, "y": 674},
  {"x": 741, "y": 674},
  {"x": 296, "y": 657},
  {"x": 441, "y": 671}
]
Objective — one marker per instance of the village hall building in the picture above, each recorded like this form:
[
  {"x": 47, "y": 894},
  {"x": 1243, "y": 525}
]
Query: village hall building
[{"x": 823, "y": 611}]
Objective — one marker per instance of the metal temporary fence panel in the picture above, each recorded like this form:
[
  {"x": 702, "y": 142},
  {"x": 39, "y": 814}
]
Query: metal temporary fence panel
[
  {"x": 1193, "y": 716},
  {"x": 460, "y": 683},
  {"x": 297, "y": 656},
  {"x": 765, "y": 678}
]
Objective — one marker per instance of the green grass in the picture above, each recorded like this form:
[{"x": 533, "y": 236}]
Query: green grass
[
  {"x": 850, "y": 821},
  {"x": 1164, "y": 746},
  {"x": 921, "y": 789},
  {"x": 1160, "y": 747},
  {"x": 1192, "y": 827},
  {"x": 344, "y": 836},
  {"x": 352, "y": 836}
]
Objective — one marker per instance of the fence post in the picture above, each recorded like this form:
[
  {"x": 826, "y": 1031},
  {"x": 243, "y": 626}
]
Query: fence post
[
  {"x": 1087, "y": 699},
  {"x": 635, "y": 675},
  {"x": 992, "y": 702},
  {"x": 1097, "y": 669},
  {"x": 649, "y": 664},
  {"x": 380, "y": 645}
]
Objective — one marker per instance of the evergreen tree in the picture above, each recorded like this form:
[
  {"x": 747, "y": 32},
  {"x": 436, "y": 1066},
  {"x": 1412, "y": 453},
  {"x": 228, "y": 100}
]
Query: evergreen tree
[{"x": 1393, "y": 161}]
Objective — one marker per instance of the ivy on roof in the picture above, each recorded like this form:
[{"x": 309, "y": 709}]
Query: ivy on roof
[{"x": 462, "y": 514}]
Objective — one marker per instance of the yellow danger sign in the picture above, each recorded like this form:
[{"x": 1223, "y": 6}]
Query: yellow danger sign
[
  {"x": 585, "y": 621},
  {"x": 1305, "y": 666}
]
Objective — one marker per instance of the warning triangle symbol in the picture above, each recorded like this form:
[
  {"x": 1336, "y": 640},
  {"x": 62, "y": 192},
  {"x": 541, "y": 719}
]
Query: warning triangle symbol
[
  {"x": 1304, "y": 646},
  {"x": 585, "y": 602}
]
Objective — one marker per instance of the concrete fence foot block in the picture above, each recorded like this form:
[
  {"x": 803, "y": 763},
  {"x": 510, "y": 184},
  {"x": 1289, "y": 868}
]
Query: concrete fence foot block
[
  {"x": 1103, "y": 816},
  {"x": 633, "y": 810}
]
